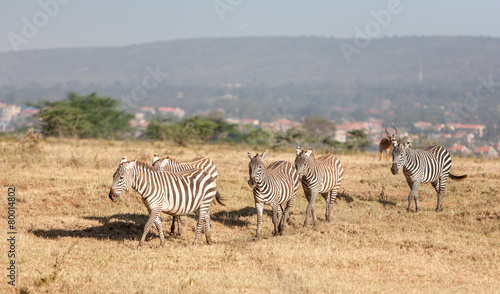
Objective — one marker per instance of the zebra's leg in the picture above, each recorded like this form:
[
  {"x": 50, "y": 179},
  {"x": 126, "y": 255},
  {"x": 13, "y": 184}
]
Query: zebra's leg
[
  {"x": 200, "y": 226},
  {"x": 310, "y": 207},
  {"x": 208, "y": 234},
  {"x": 179, "y": 225},
  {"x": 276, "y": 212},
  {"x": 172, "y": 227},
  {"x": 286, "y": 215},
  {"x": 160, "y": 231},
  {"x": 440, "y": 190},
  {"x": 260, "y": 207},
  {"x": 279, "y": 218},
  {"x": 152, "y": 218},
  {"x": 331, "y": 199},
  {"x": 325, "y": 195},
  {"x": 413, "y": 197}
]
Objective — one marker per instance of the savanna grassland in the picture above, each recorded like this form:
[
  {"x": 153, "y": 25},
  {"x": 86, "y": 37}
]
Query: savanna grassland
[{"x": 71, "y": 238}]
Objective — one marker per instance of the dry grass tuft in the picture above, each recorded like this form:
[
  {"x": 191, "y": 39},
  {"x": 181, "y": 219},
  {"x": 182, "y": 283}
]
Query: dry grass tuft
[{"x": 73, "y": 239}]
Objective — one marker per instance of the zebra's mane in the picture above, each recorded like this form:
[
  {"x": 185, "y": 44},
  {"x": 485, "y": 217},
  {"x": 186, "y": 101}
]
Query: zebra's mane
[
  {"x": 309, "y": 157},
  {"x": 144, "y": 166},
  {"x": 169, "y": 158}
]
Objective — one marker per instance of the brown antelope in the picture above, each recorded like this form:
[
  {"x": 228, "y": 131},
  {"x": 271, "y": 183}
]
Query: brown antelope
[{"x": 386, "y": 143}]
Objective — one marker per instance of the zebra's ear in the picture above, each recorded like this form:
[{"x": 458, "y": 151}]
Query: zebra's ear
[
  {"x": 264, "y": 155},
  {"x": 250, "y": 155},
  {"x": 163, "y": 162},
  {"x": 297, "y": 150},
  {"x": 308, "y": 153},
  {"x": 155, "y": 158},
  {"x": 408, "y": 144}
]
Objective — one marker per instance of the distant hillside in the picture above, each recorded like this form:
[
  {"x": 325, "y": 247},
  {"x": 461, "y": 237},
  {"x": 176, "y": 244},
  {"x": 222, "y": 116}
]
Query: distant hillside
[{"x": 251, "y": 61}]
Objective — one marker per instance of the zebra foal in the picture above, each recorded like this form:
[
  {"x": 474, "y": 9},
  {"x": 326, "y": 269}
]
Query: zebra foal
[
  {"x": 274, "y": 185},
  {"x": 172, "y": 165},
  {"x": 429, "y": 165},
  {"x": 322, "y": 175},
  {"x": 172, "y": 193}
]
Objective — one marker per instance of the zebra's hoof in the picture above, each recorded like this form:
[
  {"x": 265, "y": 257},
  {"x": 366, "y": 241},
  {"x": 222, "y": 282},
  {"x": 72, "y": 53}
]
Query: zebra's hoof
[
  {"x": 139, "y": 248},
  {"x": 255, "y": 239}
]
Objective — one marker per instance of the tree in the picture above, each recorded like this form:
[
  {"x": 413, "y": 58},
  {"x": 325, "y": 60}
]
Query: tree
[
  {"x": 317, "y": 129},
  {"x": 357, "y": 140},
  {"x": 84, "y": 117}
]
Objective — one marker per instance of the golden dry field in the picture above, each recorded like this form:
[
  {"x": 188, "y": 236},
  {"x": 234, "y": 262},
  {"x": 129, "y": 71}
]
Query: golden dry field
[{"x": 71, "y": 238}]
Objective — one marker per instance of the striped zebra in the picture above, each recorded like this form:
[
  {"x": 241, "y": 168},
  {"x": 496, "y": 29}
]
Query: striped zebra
[
  {"x": 172, "y": 193},
  {"x": 274, "y": 185},
  {"x": 429, "y": 165},
  {"x": 172, "y": 165},
  {"x": 322, "y": 175}
]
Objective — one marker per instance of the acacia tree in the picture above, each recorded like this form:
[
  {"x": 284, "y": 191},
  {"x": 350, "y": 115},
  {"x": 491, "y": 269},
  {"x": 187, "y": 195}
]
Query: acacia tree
[
  {"x": 84, "y": 117},
  {"x": 358, "y": 140}
]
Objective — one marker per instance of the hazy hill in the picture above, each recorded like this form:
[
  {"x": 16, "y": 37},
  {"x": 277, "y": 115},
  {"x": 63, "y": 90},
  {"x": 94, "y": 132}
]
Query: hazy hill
[{"x": 260, "y": 60}]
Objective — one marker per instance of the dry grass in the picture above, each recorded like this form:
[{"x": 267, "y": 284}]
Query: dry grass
[{"x": 73, "y": 239}]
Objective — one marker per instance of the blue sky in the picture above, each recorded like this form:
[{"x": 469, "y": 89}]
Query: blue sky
[{"x": 91, "y": 23}]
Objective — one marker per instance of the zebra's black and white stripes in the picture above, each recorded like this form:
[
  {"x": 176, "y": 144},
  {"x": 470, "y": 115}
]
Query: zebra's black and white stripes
[
  {"x": 274, "y": 185},
  {"x": 172, "y": 193},
  {"x": 172, "y": 165},
  {"x": 429, "y": 165},
  {"x": 322, "y": 175}
]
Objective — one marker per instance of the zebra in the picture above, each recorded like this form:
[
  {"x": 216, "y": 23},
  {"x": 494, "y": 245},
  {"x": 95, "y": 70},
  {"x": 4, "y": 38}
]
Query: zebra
[
  {"x": 322, "y": 175},
  {"x": 172, "y": 193},
  {"x": 429, "y": 165},
  {"x": 172, "y": 165},
  {"x": 274, "y": 185}
]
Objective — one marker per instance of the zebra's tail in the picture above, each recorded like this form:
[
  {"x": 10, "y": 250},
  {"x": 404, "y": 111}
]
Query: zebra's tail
[
  {"x": 457, "y": 178},
  {"x": 219, "y": 199}
]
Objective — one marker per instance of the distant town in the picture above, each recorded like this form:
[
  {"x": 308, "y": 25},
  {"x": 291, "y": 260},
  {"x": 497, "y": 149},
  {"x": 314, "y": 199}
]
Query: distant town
[{"x": 460, "y": 139}]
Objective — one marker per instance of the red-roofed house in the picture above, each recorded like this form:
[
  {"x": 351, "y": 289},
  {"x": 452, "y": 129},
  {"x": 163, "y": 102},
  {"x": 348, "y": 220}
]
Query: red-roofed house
[
  {"x": 486, "y": 151},
  {"x": 477, "y": 129},
  {"x": 422, "y": 125},
  {"x": 459, "y": 149},
  {"x": 355, "y": 125},
  {"x": 281, "y": 124},
  {"x": 172, "y": 111}
]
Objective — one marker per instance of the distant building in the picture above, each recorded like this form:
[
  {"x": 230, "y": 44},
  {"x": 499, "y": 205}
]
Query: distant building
[
  {"x": 355, "y": 125},
  {"x": 281, "y": 124},
  {"x": 486, "y": 152},
  {"x": 147, "y": 109},
  {"x": 460, "y": 149},
  {"x": 233, "y": 121},
  {"x": 341, "y": 136},
  {"x": 250, "y": 121},
  {"x": 8, "y": 112},
  {"x": 475, "y": 129},
  {"x": 171, "y": 111},
  {"x": 422, "y": 125}
]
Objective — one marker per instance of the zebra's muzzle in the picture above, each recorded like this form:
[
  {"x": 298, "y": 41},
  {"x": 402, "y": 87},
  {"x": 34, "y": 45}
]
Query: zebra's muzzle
[
  {"x": 252, "y": 183},
  {"x": 113, "y": 196},
  {"x": 394, "y": 169}
]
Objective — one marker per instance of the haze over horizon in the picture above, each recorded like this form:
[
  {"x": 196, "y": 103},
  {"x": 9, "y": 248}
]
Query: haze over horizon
[{"x": 71, "y": 24}]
